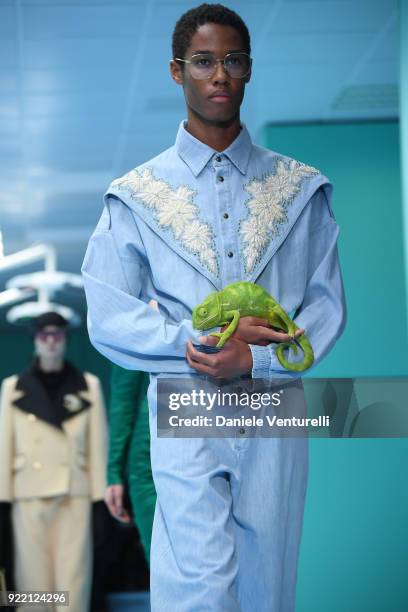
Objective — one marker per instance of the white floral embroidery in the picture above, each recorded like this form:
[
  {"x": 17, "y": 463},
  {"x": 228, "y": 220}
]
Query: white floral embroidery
[
  {"x": 173, "y": 209},
  {"x": 270, "y": 198}
]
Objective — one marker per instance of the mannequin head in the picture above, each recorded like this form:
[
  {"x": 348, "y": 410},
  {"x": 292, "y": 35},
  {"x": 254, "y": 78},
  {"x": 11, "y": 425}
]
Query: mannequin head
[{"x": 50, "y": 341}]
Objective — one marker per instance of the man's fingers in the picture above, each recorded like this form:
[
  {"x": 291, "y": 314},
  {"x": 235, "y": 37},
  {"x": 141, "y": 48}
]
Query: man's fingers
[
  {"x": 258, "y": 321},
  {"x": 209, "y": 340},
  {"x": 204, "y": 364},
  {"x": 200, "y": 358},
  {"x": 200, "y": 367},
  {"x": 275, "y": 336},
  {"x": 125, "y": 517},
  {"x": 108, "y": 501},
  {"x": 118, "y": 501},
  {"x": 210, "y": 365},
  {"x": 111, "y": 502}
]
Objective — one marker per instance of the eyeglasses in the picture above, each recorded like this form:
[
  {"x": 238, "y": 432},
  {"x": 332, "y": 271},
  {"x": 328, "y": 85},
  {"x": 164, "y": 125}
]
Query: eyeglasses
[
  {"x": 57, "y": 335},
  {"x": 203, "y": 65}
]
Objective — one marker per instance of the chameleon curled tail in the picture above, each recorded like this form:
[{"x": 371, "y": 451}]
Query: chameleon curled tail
[
  {"x": 243, "y": 299},
  {"x": 307, "y": 351}
]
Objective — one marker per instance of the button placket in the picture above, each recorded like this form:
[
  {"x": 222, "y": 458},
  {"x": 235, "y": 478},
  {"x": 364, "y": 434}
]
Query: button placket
[
  {"x": 220, "y": 178},
  {"x": 223, "y": 178}
]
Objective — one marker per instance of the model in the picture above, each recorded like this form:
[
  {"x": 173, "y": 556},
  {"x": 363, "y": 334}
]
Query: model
[{"x": 211, "y": 210}]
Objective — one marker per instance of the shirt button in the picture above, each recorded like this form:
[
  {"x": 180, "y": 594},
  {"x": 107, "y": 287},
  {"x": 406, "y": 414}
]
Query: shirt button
[
  {"x": 225, "y": 215},
  {"x": 218, "y": 158},
  {"x": 230, "y": 254},
  {"x": 220, "y": 179},
  {"x": 242, "y": 430}
]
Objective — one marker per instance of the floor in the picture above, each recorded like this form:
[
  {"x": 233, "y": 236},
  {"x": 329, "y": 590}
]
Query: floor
[{"x": 129, "y": 602}]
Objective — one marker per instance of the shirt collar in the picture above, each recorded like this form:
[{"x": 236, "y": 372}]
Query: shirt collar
[{"x": 196, "y": 153}]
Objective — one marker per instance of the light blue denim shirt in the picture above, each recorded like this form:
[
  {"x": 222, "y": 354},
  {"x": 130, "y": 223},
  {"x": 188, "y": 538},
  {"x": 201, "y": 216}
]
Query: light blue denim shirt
[{"x": 192, "y": 220}]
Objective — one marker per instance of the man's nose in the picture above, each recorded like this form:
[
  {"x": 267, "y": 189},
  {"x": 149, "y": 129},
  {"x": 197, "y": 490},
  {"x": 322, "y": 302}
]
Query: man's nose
[{"x": 220, "y": 74}]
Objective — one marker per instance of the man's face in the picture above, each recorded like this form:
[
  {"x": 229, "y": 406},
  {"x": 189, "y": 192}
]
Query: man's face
[
  {"x": 50, "y": 342},
  {"x": 218, "y": 40}
]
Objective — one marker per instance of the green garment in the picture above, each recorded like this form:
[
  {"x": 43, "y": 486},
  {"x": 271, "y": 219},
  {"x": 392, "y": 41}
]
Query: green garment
[{"x": 129, "y": 446}]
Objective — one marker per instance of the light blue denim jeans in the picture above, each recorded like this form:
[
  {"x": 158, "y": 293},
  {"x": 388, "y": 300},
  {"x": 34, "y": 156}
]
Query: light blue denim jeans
[{"x": 228, "y": 521}]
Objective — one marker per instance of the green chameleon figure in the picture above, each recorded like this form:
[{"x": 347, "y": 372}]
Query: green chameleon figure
[{"x": 244, "y": 299}]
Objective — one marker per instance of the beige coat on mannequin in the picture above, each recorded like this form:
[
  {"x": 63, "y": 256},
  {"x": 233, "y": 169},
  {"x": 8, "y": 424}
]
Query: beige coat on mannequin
[
  {"x": 51, "y": 475},
  {"x": 39, "y": 460}
]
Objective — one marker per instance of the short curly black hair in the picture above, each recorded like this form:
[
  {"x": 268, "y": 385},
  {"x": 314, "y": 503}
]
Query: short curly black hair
[{"x": 190, "y": 21}]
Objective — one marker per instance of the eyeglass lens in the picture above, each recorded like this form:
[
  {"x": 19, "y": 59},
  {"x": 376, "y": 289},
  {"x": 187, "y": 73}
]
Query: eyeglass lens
[
  {"x": 203, "y": 65},
  {"x": 57, "y": 335}
]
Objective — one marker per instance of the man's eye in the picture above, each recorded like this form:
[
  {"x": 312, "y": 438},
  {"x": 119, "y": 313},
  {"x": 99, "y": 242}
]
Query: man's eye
[
  {"x": 203, "y": 62},
  {"x": 233, "y": 61}
]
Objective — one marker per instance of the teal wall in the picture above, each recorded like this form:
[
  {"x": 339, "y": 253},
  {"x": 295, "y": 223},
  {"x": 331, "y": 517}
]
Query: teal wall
[
  {"x": 353, "y": 554},
  {"x": 355, "y": 535},
  {"x": 362, "y": 160},
  {"x": 403, "y": 100}
]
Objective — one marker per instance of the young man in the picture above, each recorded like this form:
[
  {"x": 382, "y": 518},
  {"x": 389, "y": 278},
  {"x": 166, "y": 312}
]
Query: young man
[
  {"x": 210, "y": 210},
  {"x": 53, "y": 446}
]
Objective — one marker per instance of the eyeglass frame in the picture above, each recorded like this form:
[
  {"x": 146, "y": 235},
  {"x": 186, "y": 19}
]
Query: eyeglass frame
[
  {"x": 179, "y": 59},
  {"x": 58, "y": 335}
]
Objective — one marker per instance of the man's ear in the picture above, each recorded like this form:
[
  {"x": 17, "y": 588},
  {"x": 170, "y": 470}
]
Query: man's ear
[{"x": 176, "y": 72}]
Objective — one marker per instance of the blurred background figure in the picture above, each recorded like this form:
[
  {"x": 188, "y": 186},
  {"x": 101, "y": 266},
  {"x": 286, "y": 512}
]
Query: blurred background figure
[
  {"x": 129, "y": 471},
  {"x": 53, "y": 444}
]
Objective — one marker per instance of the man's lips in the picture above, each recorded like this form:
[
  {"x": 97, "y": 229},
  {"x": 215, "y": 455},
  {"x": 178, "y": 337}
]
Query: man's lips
[{"x": 220, "y": 96}]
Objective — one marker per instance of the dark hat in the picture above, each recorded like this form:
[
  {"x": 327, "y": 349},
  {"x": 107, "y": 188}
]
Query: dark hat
[{"x": 48, "y": 318}]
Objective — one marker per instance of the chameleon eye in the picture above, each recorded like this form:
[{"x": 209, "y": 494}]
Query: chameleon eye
[{"x": 203, "y": 312}]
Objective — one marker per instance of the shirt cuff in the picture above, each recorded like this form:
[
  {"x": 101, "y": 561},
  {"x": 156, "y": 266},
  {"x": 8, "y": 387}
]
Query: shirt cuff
[
  {"x": 276, "y": 368},
  {"x": 114, "y": 477},
  {"x": 266, "y": 364},
  {"x": 261, "y": 361}
]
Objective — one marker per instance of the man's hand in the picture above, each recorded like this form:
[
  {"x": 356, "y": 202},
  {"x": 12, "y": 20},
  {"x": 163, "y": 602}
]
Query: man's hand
[
  {"x": 114, "y": 501},
  {"x": 234, "y": 359},
  {"x": 254, "y": 330}
]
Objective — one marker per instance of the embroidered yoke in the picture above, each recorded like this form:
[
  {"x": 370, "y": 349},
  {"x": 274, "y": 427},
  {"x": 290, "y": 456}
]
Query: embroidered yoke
[{"x": 193, "y": 220}]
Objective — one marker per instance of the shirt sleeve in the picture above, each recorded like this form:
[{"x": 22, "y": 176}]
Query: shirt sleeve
[
  {"x": 323, "y": 311},
  {"x": 126, "y": 387},
  {"x": 121, "y": 325}
]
